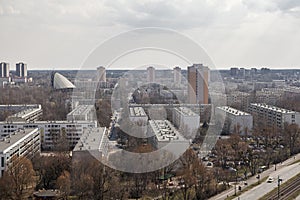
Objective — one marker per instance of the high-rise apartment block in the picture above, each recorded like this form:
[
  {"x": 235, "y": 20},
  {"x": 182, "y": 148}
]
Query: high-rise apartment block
[
  {"x": 101, "y": 73},
  {"x": 198, "y": 84},
  {"x": 151, "y": 74},
  {"x": 4, "y": 70},
  {"x": 177, "y": 75},
  {"x": 21, "y": 69}
]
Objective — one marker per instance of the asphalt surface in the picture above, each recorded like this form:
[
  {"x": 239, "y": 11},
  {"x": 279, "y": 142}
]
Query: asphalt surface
[{"x": 283, "y": 170}]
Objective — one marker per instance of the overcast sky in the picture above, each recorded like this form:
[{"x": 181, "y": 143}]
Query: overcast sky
[{"x": 60, "y": 34}]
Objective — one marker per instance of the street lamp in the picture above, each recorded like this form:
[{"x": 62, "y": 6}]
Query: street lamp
[
  {"x": 236, "y": 175},
  {"x": 279, "y": 181}
]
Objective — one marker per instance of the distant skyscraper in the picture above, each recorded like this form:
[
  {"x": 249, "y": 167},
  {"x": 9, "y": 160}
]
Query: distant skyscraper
[
  {"x": 198, "y": 84},
  {"x": 4, "y": 70},
  {"x": 21, "y": 70},
  {"x": 151, "y": 74},
  {"x": 101, "y": 72},
  {"x": 177, "y": 75},
  {"x": 234, "y": 71}
]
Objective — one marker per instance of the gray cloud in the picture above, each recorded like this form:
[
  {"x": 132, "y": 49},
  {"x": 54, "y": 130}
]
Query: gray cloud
[{"x": 62, "y": 32}]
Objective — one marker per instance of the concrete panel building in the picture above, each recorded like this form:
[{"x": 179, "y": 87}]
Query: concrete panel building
[
  {"x": 93, "y": 143},
  {"x": 185, "y": 119},
  {"x": 198, "y": 76},
  {"x": 162, "y": 132},
  {"x": 274, "y": 116},
  {"x": 151, "y": 74},
  {"x": 138, "y": 115},
  {"x": 4, "y": 70},
  {"x": 51, "y": 131},
  {"x": 101, "y": 74},
  {"x": 82, "y": 113},
  {"x": 235, "y": 120},
  {"x": 21, "y": 143},
  {"x": 31, "y": 114},
  {"x": 177, "y": 75},
  {"x": 21, "y": 69}
]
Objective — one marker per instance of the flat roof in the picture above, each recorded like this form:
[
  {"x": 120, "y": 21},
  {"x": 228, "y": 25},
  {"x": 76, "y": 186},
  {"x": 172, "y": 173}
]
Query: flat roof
[
  {"x": 238, "y": 93},
  {"x": 273, "y": 108},
  {"x": 137, "y": 112},
  {"x": 25, "y": 113},
  {"x": 25, "y": 106},
  {"x": 91, "y": 139},
  {"x": 82, "y": 110},
  {"x": 14, "y": 138},
  {"x": 47, "y": 122},
  {"x": 186, "y": 111},
  {"x": 232, "y": 111},
  {"x": 165, "y": 131}
]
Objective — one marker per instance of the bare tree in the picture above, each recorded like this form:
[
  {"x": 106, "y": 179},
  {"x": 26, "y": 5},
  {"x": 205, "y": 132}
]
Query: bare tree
[
  {"x": 63, "y": 183},
  {"x": 18, "y": 181},
  {"x": 292, "y": 132}
]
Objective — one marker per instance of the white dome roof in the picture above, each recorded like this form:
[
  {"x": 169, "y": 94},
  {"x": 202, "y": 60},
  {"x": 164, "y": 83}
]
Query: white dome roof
[{"x": 61, "y": 82}]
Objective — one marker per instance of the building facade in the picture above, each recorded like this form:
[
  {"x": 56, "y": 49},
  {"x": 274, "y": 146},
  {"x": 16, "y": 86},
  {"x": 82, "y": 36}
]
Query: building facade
[
  {"x": 177, "y": 75},
  {"x": 82, "y": 113},
  {"x": 27, "y": 115},
  {"x": 51, "y": 131},
  {"x": 151, "y": 74},
  {"x": 198, "y": 76},
  {"x": 21, "y": 143},
  {"x": 162, "y": 133},
  {"x": 235, "y": 121},
  {"x": 101, "y": 73},
  {"x": 21, "y": 69},
  {"x": 274, "y": 116},
  {"x": 4, "y": 70},
  {"x": 93, "y": 142},
  {"x": 185, "y": 119}
]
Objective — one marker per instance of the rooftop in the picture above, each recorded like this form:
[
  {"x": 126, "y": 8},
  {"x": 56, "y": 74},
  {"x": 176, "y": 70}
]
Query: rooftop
[
  {"x": 82, "y": 110},
  {"x": 186, "y": 111},
  {"x": 91, "y": 139},
  {"x": 165, "y": 131},
  {"x": 19, "y": 106},
  {"x": 14, "y": 138},
  {"x": 61, "y": 82},
  {"x": 46, "y": 122},
  {"x": 137, "y": 112},
  {"x": 23, "y": 114},
  {"x": 273, "y": 108},
  {"x": 232, "y": 111}
]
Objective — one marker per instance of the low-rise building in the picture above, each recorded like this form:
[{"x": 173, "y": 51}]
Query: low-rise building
[
  {"x": 82, "y": 112},
  {"x": 238, "y": 99},
  {"x": 27, "y": 115},
  {"x": 274, "y": 116},
  {"x": 21, "y": 143},
  {"x": 235, "y": 120},
  {"x": 163, "y": 132},
  {"x": 138, "y": 115},
  {"x": 51, "y": 131},
  {"x": 184, "y": 118},
  {"x": 93, "y": 142}
]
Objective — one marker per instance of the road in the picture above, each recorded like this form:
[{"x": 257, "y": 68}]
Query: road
[
  {"x": 252, "y": 180},
  {"x": 284, "y": 173}
]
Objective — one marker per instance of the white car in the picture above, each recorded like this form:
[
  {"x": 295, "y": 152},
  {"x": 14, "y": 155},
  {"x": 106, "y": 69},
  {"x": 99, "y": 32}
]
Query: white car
[{"x": 270, "y": 180}]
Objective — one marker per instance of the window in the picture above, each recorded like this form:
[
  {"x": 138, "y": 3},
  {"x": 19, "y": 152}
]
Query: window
[{"x": 2, "y": 161}]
